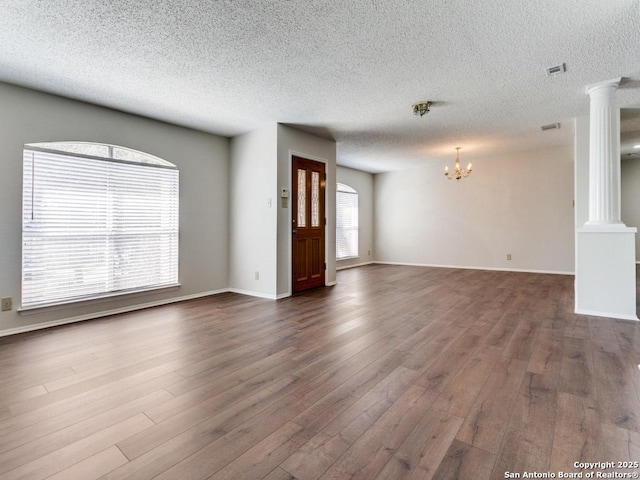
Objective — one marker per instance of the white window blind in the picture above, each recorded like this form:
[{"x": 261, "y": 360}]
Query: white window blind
[
  {"x": 346, "y": 222},
  {"x": 95, "y": 227}
]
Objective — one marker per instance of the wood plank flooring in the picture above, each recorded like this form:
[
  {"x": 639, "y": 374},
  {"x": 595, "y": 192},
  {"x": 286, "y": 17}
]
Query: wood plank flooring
[{"x": 396, "y": 372}]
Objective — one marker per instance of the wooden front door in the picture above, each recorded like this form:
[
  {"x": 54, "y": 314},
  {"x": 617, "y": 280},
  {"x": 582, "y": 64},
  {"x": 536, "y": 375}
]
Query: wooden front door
[{"x": 308, "y": 224}]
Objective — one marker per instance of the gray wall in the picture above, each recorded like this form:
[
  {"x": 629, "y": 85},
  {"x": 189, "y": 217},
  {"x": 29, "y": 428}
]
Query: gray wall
[
  {"x": 519, "y": 203},
  {"x": 362, "y": 182},
  {"x": 203, "y": 159},
  {"x": 295, "y": 142},
  {"x": 254, "y": 212},
  {"x": 630, "y": 193},
  {"x": 260, "y": 226}
]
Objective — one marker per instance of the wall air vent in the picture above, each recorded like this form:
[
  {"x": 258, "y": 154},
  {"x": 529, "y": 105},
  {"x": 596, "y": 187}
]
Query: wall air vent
[
  {"x": 557, "y": 69},
  {"x": 551, "y": 126}
]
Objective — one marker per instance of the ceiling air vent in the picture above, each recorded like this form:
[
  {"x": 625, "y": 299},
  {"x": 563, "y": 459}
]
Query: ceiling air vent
[
  {"x": 556, "y": 69},
  {"x": 551, "y": 126}
]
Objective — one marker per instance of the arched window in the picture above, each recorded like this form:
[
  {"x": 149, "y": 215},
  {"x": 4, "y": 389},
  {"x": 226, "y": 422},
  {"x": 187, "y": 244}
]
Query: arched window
[
  {"x": 97, "y": 220},
  {"x": 346, "y": 222}
]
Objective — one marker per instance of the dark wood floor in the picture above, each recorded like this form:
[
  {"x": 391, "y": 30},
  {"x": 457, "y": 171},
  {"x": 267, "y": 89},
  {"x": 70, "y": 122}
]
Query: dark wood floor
[{"x": 396, "y": 372}]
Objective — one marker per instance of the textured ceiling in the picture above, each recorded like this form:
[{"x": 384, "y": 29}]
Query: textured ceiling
[{"x": 349, "y": 70}]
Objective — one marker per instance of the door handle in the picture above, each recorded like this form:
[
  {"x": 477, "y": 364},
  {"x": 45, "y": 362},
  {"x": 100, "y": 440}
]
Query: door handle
[{"x": 294, "y": 231}]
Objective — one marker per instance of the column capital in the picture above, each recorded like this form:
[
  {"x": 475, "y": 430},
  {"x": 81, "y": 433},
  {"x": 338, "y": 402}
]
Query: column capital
[{"x": 613, "y": 83}]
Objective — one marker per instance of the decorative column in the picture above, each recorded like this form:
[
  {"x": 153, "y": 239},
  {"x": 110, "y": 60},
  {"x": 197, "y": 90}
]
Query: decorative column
[
  {"x": 605, "y": 282},
  {"x": 604, "y": 155}
]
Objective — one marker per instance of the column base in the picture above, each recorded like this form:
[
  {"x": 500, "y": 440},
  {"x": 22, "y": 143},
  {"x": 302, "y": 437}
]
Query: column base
[{"x": 605, "y": 283}]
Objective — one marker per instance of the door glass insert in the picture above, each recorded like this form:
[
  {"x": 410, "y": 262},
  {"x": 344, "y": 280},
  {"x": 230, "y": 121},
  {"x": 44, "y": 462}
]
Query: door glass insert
[
  {"x": 315, "y": 199},
  {"x": 302, "y": 198}
]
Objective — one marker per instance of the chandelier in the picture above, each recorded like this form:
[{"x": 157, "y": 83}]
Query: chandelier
[{"x": 458, "y": 172}]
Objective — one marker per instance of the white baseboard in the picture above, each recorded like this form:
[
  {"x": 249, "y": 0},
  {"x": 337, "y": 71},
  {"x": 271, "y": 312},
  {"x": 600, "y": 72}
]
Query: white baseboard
[
  {"x": 268, "y": 296},
  {"x": 620, "y": 316},
  {"x": 251, "y": 293},
  {"x": 521, "y": 270},
  {"x": 106, "y": 313},
  {"x": 338, "y": 267},
  {"x": 133, "y": 308}
]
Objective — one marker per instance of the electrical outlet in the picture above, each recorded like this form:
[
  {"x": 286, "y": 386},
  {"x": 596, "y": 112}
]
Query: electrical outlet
[
  {"x": 508, "y": 256},
  {"x": 257, "y": 276},
  {"x": 6, "y": 304}
]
